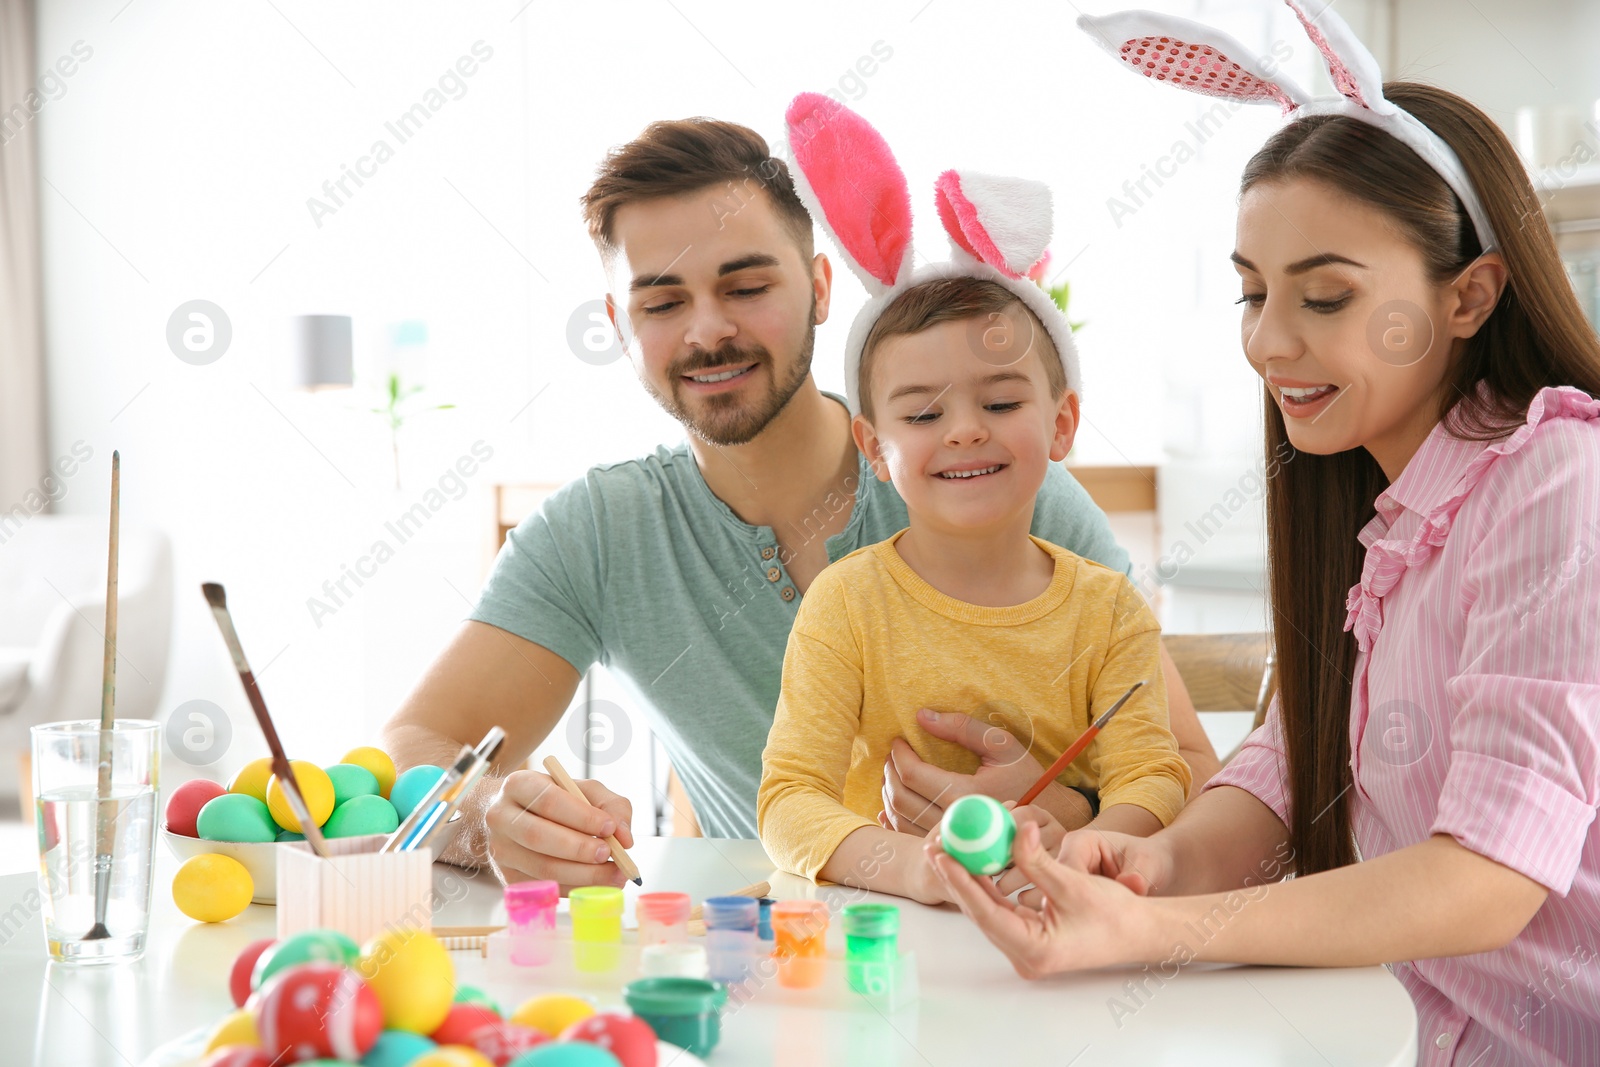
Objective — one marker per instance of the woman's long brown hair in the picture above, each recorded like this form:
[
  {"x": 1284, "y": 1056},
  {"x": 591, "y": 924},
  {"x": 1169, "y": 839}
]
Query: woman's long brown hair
[{"x": 1536, "y": 336}]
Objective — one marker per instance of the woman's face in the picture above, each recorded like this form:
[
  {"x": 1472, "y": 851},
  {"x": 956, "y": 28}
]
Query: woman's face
[{"x": 1342, "y": 321}]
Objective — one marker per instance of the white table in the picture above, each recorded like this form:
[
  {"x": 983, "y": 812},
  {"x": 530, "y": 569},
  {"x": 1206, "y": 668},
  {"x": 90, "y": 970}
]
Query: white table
[{"x": 973, "y": 1008}]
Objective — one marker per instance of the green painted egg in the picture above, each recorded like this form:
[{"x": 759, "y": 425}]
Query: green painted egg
[
  {"x": 236, "y": 817},
  {"x": 369, "y": 814},
  {"x": 351, "y": 781}
]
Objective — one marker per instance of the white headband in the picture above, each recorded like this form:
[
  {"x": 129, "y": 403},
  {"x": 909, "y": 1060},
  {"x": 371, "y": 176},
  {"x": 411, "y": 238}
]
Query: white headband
[
  {"x": 1202, "y": 60},
  {"x": 856, "y": 192}
]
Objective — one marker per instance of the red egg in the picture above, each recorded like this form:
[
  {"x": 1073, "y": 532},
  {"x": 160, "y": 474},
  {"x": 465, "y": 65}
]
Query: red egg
[
  {"x": 183, "y": 806},
  {"x": 501, "y": 1042},
  {"x": 460, "y": 1023},
  {"x": 238, "y": 1056},
  {"x": 239, "y": 977},
  {"x": 318, "y": 1010},
  {"x": 627, "y": 1037}
]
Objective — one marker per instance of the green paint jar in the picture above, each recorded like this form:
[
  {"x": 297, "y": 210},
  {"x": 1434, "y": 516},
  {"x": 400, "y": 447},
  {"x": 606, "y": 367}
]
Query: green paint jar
[
  {"x": 870, "y": 943},
  {"x": 596, "y": 928},
  {"x": 977, "y": 831},
  {"x": 682, "y": 1011}
]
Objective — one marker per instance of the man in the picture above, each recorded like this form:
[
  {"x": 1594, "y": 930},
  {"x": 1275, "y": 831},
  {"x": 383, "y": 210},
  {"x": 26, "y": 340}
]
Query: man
[{"x": 681, "y": 571}]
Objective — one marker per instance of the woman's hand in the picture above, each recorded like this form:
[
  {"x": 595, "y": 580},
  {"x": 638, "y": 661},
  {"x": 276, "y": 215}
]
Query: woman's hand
[
  {"x": 916, "y": 792},
  {"x": 1084, "y": 921}
]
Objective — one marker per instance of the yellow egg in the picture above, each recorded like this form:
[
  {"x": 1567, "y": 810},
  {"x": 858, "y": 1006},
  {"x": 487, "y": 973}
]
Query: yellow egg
[
  {"x": 252, "y": 778},
  {"x": 413, "y": 977},
  {"x": 212, "y": 888},
  {"x": 236, "y": 1028},
  {"x": 316, "y": 788},
  {"x": 552, "y": 1013},
  {"x": 378, "y": 762},
  {"x": 452, "y": 1056}
]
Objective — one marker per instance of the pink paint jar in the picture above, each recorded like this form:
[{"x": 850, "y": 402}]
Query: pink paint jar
[
  {"x": 531, "y": 921},
  {"x": 663, "y": 918}
]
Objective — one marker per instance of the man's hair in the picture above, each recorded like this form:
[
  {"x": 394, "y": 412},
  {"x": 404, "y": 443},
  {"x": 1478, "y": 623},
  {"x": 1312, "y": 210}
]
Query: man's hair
[
  {"x": 925, "y": 306},
  {"x": 678, "y": 156}
]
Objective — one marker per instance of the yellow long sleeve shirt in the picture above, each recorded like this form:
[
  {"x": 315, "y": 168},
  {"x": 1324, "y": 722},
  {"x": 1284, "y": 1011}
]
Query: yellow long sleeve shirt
[{"x": 873, "y": 642}]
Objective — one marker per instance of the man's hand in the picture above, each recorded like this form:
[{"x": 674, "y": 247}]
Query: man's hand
[
  {"x": 537, "y": 830},
  {"x": 915, "y": 793}
]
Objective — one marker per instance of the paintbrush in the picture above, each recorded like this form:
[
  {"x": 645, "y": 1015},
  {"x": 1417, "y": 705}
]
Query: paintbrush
[
  {"x": 218, "y": 599},
  {"x": 1075, "y": 749},
  {"x": 104, "y": 829}
]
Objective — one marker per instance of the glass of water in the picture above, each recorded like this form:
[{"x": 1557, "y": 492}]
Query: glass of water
[{"x": 95, "y": 856}]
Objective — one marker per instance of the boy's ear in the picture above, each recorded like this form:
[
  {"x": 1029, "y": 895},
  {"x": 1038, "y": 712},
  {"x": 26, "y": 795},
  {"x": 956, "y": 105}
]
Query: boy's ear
[
  {"x": 867, "y": 444},
  {"x": 1066, "y": 426}
]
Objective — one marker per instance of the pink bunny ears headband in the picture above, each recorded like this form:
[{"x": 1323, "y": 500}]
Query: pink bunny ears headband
[
  {"x": 1195, "y": 57},
  {"x": 849, "y": 180}
]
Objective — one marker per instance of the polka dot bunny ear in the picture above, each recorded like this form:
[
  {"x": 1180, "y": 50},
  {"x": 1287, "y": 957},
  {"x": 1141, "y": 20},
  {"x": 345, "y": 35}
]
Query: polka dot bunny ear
[
  {"x": 849, "y": 181},
  {"x": 1203, "y": 60},
  {"x": 1190, "y": 56},
  {"x": 1003, "y": 222}
]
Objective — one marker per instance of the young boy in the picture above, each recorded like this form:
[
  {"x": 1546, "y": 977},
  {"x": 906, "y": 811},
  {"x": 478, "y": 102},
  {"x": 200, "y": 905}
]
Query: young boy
[{"x": 964, "y": 401}]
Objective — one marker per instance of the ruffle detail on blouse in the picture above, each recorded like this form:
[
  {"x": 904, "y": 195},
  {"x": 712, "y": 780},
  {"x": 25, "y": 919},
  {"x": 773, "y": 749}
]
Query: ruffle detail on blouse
[{"x": 1387, "y": 560}]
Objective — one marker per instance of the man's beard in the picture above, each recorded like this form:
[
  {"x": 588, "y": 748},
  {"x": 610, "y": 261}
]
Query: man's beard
[{"x": 727, "y": 418}]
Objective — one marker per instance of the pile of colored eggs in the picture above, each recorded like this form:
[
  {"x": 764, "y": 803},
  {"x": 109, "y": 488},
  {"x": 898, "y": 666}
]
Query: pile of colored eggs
[
  {"x": 316, "y": 997},
  {"x": 359, "y": 795}
]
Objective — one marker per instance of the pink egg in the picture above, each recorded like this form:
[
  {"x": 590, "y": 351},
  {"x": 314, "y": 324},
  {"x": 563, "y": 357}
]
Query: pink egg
[
  {"x": 183, "y": 806},
  {"x": 238, "y": 1056},
  {"x": 501, "y": 1042},
  {"x": 627, "y": 1037},
  {"x": 461, "y": 1022},
  {"x": 318, "y": 1010},
  {"x": 243, "y": 966}
]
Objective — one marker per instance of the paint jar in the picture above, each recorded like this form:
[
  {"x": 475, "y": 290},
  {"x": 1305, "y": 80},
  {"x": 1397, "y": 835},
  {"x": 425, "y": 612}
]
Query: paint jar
[
  {"x": 663, "y": 918},
  {"x": 673, "y": 959},
  {"x": 871, "y": 952},
  {"x": 731, "y": 924},
  {"x": 800, "y": 929},
  {"x": 531, "y": 921},
  {"x": 682, "y": 1011},
  {"x": 764, "y": 923},
  {"x": 596, "y": 927}
]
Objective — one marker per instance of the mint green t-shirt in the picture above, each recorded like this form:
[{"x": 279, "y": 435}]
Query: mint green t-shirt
[{"x": 638, "y": 566}]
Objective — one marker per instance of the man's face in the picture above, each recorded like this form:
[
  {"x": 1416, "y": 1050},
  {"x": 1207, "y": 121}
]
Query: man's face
[{"x": 716, "y": 306}]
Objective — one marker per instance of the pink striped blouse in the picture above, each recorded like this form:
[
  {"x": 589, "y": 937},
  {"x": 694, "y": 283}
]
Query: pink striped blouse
[{"x": 1475, "y": 712}]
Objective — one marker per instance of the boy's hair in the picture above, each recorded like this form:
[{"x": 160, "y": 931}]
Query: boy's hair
[
  {"x": 924, "y": 306},
  {"x": 677, "y": 156}
]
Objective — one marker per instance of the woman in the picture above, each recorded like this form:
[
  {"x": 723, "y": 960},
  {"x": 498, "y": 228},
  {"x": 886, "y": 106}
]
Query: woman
[{"x": 1430, "y": 769}]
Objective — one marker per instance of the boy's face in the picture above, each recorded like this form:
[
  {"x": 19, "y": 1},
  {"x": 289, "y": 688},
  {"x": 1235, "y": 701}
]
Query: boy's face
[
  {"x": 963, "y": 421},
  {"x": 717, "y": 308}
]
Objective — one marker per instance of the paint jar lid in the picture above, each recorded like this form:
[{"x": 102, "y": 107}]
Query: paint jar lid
[
  {"x": 871, "y": 920},
  {"x": 673, "y": 960},
  {"x": 732, "y": 913},
  {"x": 525, "y": 898},
  {"x": 674, "y": 996},
  {"x": 596, "y": 901},
  {"x": 666, "y": 908}
]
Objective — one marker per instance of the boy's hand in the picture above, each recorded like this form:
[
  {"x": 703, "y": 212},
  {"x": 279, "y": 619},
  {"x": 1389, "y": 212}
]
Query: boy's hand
[{"x": 1051, "y": 834}]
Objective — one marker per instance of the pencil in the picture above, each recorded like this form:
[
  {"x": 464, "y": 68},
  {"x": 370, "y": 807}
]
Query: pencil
[
  {"x": 1075, "y": 749},
  {"x": 620, "y": 857}
]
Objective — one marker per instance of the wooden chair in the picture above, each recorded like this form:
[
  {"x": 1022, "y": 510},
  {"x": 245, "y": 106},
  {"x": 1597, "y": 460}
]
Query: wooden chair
[{"x": 1226, "y": 672}]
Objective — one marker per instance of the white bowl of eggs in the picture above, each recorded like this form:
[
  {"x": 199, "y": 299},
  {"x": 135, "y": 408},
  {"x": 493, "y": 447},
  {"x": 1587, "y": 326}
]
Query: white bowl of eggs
[{"x": 249, "y": 819}]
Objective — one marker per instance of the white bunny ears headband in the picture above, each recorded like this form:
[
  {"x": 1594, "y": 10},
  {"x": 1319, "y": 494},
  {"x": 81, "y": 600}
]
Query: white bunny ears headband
[
  {"x": 849, "y": 181},
  {"x": 1195, "y": 57}
]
